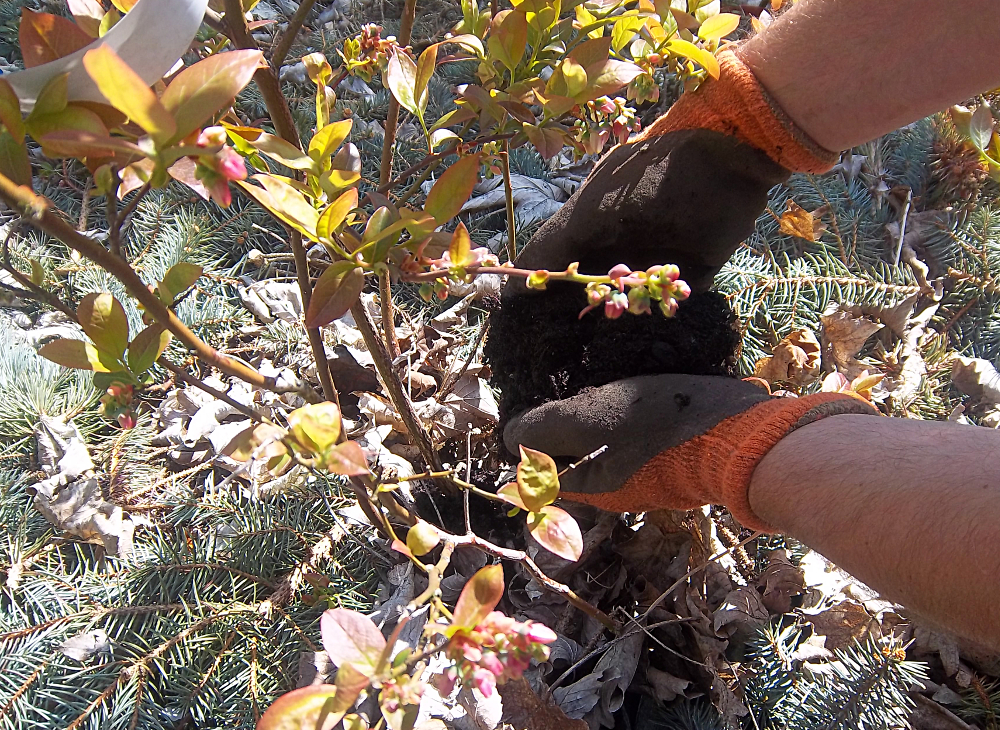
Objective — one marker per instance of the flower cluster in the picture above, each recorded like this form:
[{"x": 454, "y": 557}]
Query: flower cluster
[
  {"x": 656, "y": 284},
  {"x": 605, "y": 118},
  {"x": 480, "y": 256},
  {"x": 496, "y": 649},
  {"x": 116, "y": 404},
  {"x": 216, "y": 169},
  {"x": 367, "y": 51}
]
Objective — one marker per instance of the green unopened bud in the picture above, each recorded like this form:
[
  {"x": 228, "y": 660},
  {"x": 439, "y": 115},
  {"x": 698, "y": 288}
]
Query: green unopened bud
[
  {"x": 426, "y": 292},
  {"x": 638, "y": 301}
]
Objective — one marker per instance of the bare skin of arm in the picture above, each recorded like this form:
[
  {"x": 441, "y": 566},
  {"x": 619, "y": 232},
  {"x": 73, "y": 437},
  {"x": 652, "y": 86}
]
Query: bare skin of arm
[
  {"x": 912, "y": 508},
  {"x": 848, "y": 71}
]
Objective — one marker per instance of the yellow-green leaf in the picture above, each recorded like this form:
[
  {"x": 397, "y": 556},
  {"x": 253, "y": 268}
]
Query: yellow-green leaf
[
  {"x": 479, "y": 596},
  {"x": 329, "y": 138},
  {"x": 335, "y": 292},
  {"x": 127, "y": 93},
  {"x": 460, "y": 250},
  {"x": 699, "y": 55},
  {"x": 624, "y": 30},
  {"x": 285, "y": 202},
  {"x": 10, "y": 111},
  {"x": 425, "y": 69},
  {"x": 315, "y": 427},
  {"x": 557, "y": 532},
  {"x": 179, "y": 278},
  {"x": 401, "y": 74},
  {"x": 335, "y": 213},
  {"x": 508, "y": 38},
  {"x": 103, "y": 319},
  {"x": 14, "y": 161},
  {"x": 147, "y": 346},
  {"x": 537, "y": 479},
  {"x": 80, "y": 355},
  {"x": 718, "y": 26},
  {"x": 284, "y": 152},
  {"x": 200, "y": 91},
  {"x": 452, "y": 189},
  {"x": 422, "y": 538},
  {"x": 37, "y": 272},
  {"x": 52, "y": 98}
]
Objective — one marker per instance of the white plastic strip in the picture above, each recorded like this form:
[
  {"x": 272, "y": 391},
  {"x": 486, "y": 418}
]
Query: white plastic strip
[{"x": 150, "y": 39}]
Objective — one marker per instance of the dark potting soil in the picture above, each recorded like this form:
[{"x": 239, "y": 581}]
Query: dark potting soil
[{"x": 542, "y": 350}]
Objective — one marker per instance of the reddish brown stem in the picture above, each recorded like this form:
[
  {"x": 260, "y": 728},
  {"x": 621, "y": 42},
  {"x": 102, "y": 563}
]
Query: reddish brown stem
[{"x": 288, "y": 38}]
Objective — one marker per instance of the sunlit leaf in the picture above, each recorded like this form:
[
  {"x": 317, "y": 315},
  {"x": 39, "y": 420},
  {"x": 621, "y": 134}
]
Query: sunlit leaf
[
  {"x": 335, "y": 292},
  {"x": 470, "y": 43},
  {"x": 607, "y": 78},
  {"x": 315, "y": 427},
  {"x": 718, "y": 26},
  {"x": 103, "y": 319},
  {"x": 44, "y": 37},
  {"x": 453, "y": 189},
  {"x": 509, "y": 493},
  {"x": 335, "y": 213},
  {"x": 402, "y": 77},
  {"x": 351, "y": 638},
  {"x": 557, "y": 532},
  {"x": 88, "y": 14},
  {"x": 247, "y": 442},
  {"x": 179, "y": 278},
  {"x": 422, "y": 538},
  {"x": 329, "y": 138},
  {"x": 315, "y": 707},
  {"x": 200, "y": 91},
  {"x": 79, "y": 143},
  {"x": 624, "y": 30},
  {"x": 981, "y": 127},
  {"x": 508, "y": 38},
  {"x": 425, "y": 69},
  {"x": 440, "y": 136},
  {"x": 146, "y": 347},
  {"x": 125, "y": 5},
  {"x": 123, "y": 88},
  {"x": 52, "y": 98},
  {"x": 537, "y": 479},
  {"x": 460, "y": 250},
  {"x": 699, "y": 55},
  {"x": 80, "y": 355},
  {"x": 346, "y": 459},
  {"x": 479, "y": 596},
  {"x": 37, "y": 272},
  {"x": 285, "y": 202},
  {"x": 797, "y": 221},
  {"x": 284, "y": 152}
]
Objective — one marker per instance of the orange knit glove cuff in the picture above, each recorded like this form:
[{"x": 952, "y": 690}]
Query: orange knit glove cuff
[
  {"x": 736, "y": 104},
  {"x": 716, "y": 467}
]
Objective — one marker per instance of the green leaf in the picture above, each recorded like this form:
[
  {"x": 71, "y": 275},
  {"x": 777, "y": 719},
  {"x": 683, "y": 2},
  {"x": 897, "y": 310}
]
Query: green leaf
[
  {"x": 351, "y": 638},
  {"x": 508, "y": 38},
  {"x": 460, "y": 250},
  {"x": 452, "y": 189},
  {"x": 624, "y": 30},
  {"x": 328, "y": 139},
  {"x": 284, "y": 152},
  {"x": 147, "y": 346},
  {"x": 37, "y": 272},
  {"x": 44, "y": 37},
  {"x": 53, "y": 97},
  {"x": 336, "y": 213},
  {"x": 127, "y": 93},
  {"x": 699, "y": 55},
  {"x": 479, "y": 596},
  {"x": 315, "y": 427},
  {"x": 14, "y": 161},
  {"x": 200, "y": 91},
  {"x": 402, "y": 77},
  {"x": 422, "y": 538},
  {"x": 346, "y": 459},
  {"x": 568, "y": 79},
  {"x": 103, "y": 319},
  {"x": 335, "y": 292},
  {"x": 10, "y": 111},
  {"x": 440, "y": 136},
  {"x": 425, "y": 69},
  {"x": 179, "y": 278},
  {"x": 315, "y": 707},
  {"x": 537, "y": 479},
  {"x": 718, "y": 26},
  {"x": 557, "y": 532},
  {"x": 285, "y": 202},
  {"x": 80, "y": 355}
]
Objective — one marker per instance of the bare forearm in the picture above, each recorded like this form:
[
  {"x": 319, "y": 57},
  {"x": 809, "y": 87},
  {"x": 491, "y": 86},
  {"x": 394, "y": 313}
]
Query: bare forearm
[
  {"x": 848, "y": 71},
  {"x": 912, "y": 508}
]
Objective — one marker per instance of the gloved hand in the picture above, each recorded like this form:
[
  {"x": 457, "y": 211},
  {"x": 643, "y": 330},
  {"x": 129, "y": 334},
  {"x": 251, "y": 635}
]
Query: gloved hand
[{"x": 673, "y": 441}]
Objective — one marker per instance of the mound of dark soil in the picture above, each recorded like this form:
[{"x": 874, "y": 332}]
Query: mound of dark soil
[{"x": 539, "y": 349}]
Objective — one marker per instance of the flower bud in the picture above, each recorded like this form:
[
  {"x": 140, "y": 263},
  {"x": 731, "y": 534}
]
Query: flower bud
[
  {"x": 540, "y": 633},
  {"x": 538, "y": 279},
  {"x": 485, "y": 681},
  {"x": 669, "y": 307},
  {"x": 670, "y": 272},
  {"x": 492, "y": 663},
  {"x": 681, "y": 290},
  {"x": 638, "y": 301},
  {"x": 616, "y": 305},
  {"x": 212, "y": 137}
]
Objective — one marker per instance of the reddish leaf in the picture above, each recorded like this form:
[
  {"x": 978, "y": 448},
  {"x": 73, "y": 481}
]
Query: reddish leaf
[
  {"x": 452, "y": 189},
  {"x": 609, "y": 77},
  {"x": 79, "y": 143},
  {"x": 510, "y": 494},
  {"x": 592, "y": 52},
  {"x": 400, "y": 547},
  {"x": 103, "y": 319},
  {"x": 480, "y": 596},
  {"x": 351, "y": 638},
  {"x": 422, "y": 538},
  {"x": 335, "y": 292},
  {"x": 508, "y": 37},
  {"x": 557, "y": 532},
  {"x": 200, "y": 91},
  {"x": 245, "y": 444},
  {"x": 88, "y": 14},
  {"x": 146, "y": 347},
  {"x": 319, "y": 707},
  {"x": 347, "y": 459},
  {"x": 44, "y": 37},
  {"x": 537, "y": 479},
  {"x": 128, "y": 93},
  {"x": 549, "y": 142}
]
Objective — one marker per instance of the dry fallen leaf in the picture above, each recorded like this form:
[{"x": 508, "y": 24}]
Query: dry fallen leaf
[
  {"x": 845, "y": 333},
  {"x": 796, "y": 359},
  {"x": 799, "y": 222},
  {"x": 977, "y": 378},
  {"x": 741, "y": 614},
  {"x": 781, "y": 581},
  {"x": 842, "y": 624}
]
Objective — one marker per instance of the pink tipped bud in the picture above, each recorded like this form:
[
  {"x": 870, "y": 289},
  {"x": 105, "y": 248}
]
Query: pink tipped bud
[
  {"x": 615, "y": 306},
  {"x": 492, "y": 663},
  {"x": 681, "y": 289},
  {"x": 654, "y": 58},
  {"x": 670, "y": 272},
  {"x": 540, "y": 633},
  {"x": 618, "y": 271},
  {"x": 212, "y": 137},
  {"x": 485, "y": 681},
  {"x": 126, "y": 420},
  {"x": 230, "y": 165}
]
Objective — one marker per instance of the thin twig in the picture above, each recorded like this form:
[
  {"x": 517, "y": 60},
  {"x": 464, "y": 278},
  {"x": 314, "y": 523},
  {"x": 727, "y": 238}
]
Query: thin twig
[
  {"x": 509, "y": 197},
  {"x": 902, "y": 225},
  {"x": 288, "y": 38},
  {"x": 449, "y": 150},
  {"x": 192, "y": 380},
  {"x": 392, "y": 116}
]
